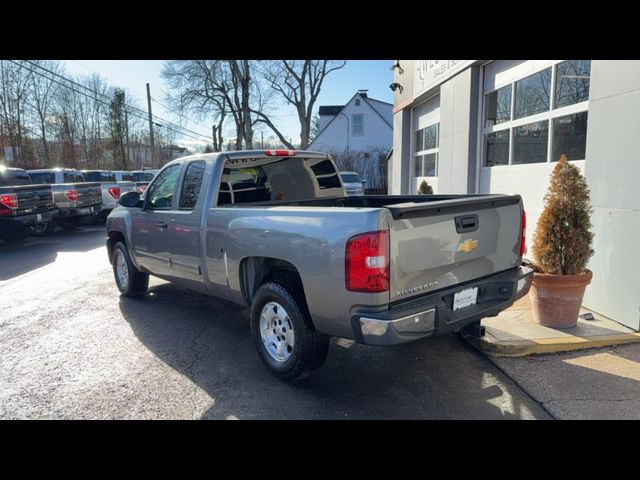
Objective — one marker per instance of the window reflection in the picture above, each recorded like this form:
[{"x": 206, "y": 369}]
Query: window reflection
[
  {"x": 498, "y": 106},
  {"x": 530, "y": 143},
  {"x": 533, "y": 94},
  {"x": 572, "y": 82},
  {"x": 497, "y": 148},
  {"x": 570, "y": 136}
]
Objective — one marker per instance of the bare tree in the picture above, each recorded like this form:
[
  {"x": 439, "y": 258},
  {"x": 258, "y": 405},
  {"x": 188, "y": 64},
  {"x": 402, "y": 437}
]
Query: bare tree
[
  {"x": 299, "y": 82},
  {"x": 14, "y": 95}
]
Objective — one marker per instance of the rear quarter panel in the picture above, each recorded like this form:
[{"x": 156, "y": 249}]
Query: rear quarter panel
[{"x": 312, "y": 239}]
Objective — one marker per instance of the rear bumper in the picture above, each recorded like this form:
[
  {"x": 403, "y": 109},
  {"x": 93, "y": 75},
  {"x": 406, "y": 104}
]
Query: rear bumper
[
  {"x": 30, "y": 220},
  {"x": 432, "y": 315},
  {"x": 87, "y": 211}
]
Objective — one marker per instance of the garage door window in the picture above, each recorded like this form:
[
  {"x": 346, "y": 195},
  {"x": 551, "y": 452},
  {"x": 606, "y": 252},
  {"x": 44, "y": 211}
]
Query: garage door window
[
  {"x": 539, "y": 117},
  {"x": 426, "y": 151}
]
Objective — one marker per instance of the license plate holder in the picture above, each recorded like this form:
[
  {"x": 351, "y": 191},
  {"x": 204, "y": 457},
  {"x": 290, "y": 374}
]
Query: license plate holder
[
  {"x": 465, "y": 298},
  {"x": 86, "y": 211}
]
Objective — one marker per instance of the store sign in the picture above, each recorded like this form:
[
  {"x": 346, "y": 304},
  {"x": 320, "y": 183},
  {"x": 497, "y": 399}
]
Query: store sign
[{"x": 429, "y": 73}]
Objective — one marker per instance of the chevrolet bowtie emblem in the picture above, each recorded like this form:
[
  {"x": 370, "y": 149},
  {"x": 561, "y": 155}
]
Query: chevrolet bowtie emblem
[{"x": 468, "y": 245}]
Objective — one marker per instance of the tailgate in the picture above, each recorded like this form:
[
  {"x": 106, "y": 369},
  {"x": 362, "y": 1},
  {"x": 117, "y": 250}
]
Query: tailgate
[
  {"x": 33, "y": 198},
  {"x": 444, "y": 243},
  {"x": 88, "y": 194}
]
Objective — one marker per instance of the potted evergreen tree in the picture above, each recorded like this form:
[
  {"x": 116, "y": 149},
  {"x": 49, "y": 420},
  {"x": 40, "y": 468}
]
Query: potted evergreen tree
[
  {"x": 425, "y": 188},
  {"x": 561, "y": 249}
]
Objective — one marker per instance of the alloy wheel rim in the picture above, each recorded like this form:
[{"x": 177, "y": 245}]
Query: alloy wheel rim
[
  {"x": 276, "y": 331},
  {"x": 121, "y": 270}
]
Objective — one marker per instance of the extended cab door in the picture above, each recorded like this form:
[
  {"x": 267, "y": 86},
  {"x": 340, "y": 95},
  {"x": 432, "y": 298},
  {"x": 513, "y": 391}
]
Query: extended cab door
[
  {"x": 184, "y": 227},
  {"x": 150, "y": 226}
]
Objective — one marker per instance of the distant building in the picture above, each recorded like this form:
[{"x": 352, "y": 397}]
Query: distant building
[{"x": 358, "y": 134}]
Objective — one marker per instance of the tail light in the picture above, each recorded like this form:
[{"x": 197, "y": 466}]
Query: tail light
[
  {"x": 115, "y": 192},
  {"x": 9, "y": 201},
  {"x": 280, "y": 153},
  {"x": 71, "y": 195},
  {"x": 367, "y": 262},
  {"x": 523, "y": 240}
]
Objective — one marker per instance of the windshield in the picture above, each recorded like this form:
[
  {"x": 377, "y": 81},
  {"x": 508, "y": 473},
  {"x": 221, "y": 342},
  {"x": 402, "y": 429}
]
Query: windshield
[{"x": 350, "y": 177}]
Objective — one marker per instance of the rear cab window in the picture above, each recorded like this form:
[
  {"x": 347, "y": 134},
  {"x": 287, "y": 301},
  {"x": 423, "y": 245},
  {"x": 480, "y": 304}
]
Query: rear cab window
[
  {"x": 10, "y": 177},
  {"x": 42, "y": 177},
  {"x": 277, "y": 179}
]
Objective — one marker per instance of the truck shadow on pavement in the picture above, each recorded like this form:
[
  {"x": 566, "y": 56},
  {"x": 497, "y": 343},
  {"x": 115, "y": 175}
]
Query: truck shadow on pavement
[
  {"x": 208, "y": 340},
  {"x": 35, "y": 252}
]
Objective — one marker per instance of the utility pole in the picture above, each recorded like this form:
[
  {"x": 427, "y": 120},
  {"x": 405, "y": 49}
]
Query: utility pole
[
  {"x": 126, "y": 134},
  {"x": 262, "y": 138},
  {"x": 153, "y": 155}
]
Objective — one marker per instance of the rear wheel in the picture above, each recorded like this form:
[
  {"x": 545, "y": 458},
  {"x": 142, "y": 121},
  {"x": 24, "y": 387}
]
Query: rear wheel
[
  {"x": 283, "y": 333},
  {"x": 130, "y": 281}
]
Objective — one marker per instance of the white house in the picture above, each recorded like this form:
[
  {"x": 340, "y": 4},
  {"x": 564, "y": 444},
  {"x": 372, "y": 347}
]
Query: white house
[{"x": 359, "y": 135}]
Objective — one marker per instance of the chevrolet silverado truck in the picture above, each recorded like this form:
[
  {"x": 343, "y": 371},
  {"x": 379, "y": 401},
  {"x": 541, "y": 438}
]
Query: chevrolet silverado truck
[
  {"x": 275, "y": 230},
  {"x": 77, "y": 201},
  {"x": 111, "y": 190},
  {"x": 22, "y": 204}
]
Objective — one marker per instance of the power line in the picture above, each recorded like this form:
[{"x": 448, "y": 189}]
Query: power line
[{"x": 94, "y": 94}]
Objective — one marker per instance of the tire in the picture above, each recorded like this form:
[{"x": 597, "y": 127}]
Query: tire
[
  {"x": 302, "y": 349},
  {"x": 135, "y": 283},
  {"x": 42, "y": 229},
  {"x": 15, "y": 236}
]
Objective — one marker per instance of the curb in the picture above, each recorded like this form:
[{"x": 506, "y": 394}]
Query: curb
[{"x": 521, "y": 348}]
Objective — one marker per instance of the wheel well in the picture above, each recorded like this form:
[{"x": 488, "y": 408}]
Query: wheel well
[
  {"x": 114, "y": 237},
  {"x": 254, "y": 271}
]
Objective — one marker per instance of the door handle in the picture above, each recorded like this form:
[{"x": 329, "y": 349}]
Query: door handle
[{"x": 161, "y": 225}]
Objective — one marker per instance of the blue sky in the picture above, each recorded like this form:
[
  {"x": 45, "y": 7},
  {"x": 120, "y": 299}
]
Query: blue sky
[{"x": 338, "y": 88}]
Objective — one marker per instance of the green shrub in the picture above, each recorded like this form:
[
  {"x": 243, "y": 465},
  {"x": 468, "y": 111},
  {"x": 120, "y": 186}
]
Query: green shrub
[
  {"x": 563, "y": 237},
  {"x": 425, "y": 188}
]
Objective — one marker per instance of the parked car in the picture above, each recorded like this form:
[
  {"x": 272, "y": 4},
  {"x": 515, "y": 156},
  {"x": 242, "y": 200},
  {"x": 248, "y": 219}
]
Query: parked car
[
  {"x": 274, "y": 230},
  {"x": 352, "y": 183},
  {"x": 111, "y": 190},
  {"x": 22, "y": 204},
  {"x": 77, "y": 201}
]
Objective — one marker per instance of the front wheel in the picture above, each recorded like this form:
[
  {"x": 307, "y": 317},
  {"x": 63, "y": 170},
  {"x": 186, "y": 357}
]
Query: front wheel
[
  {"x": 130, "y": 281},
  {"x": 283, "y": 333}
]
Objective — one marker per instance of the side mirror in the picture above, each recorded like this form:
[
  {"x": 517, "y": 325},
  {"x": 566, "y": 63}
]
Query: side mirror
[{"x": 131, "y": 200}]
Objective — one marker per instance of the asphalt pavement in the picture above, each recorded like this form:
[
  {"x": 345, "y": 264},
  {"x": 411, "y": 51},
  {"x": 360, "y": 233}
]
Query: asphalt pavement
[{"x": 72, "y": 348}]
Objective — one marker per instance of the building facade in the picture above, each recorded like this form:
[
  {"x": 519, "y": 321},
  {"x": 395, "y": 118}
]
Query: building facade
[
  {"x": 358, "y": 135},
  {"x": 499, "y": 126}
]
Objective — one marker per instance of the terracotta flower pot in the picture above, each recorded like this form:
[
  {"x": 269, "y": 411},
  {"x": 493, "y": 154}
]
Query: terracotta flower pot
[{"x": 556, "y": 299}]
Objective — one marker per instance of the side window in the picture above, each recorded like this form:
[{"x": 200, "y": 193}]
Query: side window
[
  {"x": 68, "y": 177},
  {"x": 160, "y": 193},
  {"x": 191, "y": 185}
]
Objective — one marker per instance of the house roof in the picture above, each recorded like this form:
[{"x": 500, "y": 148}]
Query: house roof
[
  {"x": 368, "y": 101},
  {"x": 330, "y": 109}
]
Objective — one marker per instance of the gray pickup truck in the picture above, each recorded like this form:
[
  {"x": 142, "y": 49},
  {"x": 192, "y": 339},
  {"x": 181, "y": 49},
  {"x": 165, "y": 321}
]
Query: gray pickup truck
[
  {"x": 111, "y": 189},
  {"x": 78, "y": 202},
  {"x": 274, "y": 230}
]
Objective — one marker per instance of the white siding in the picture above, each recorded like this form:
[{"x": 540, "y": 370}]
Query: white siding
[
  {"x": 530, "y": 181},
  {"x": 377, "y": 132}
]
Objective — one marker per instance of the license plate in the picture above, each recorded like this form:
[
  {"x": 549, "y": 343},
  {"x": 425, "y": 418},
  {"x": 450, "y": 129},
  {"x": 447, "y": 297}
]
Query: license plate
[
  {"x": 86, "y": 211},
  {"x": 39, "y": 217},
  {"x": 465, "y": 298}
]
